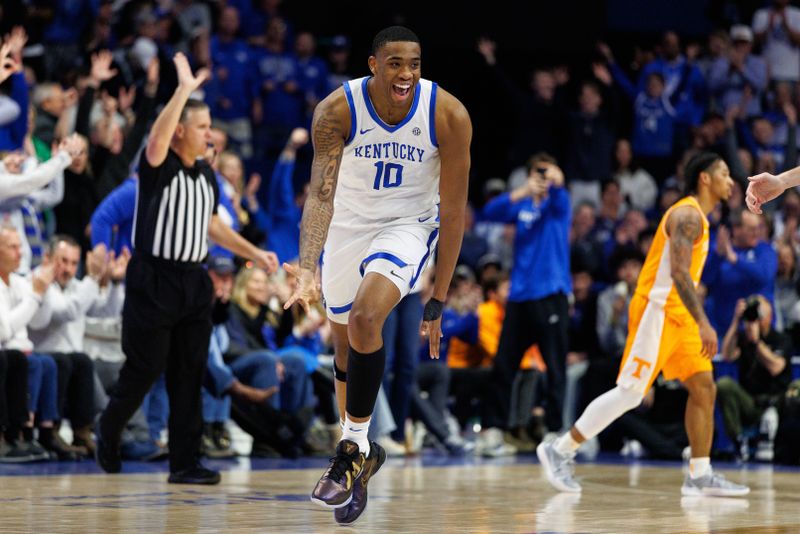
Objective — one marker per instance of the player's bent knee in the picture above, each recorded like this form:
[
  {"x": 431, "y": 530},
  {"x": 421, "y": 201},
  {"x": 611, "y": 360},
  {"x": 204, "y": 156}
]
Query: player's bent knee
[
  {"x": 629, "y": 398},
  {"x": 364, "y": 322}
]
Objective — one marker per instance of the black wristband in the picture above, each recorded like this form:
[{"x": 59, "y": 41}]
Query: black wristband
[{"x": 433, "y": 310}]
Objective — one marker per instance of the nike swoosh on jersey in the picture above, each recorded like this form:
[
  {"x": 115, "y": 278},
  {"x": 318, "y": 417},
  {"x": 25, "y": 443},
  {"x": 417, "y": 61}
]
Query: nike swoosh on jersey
[
  {"x": 362, "y": 131},
  {"x": 395, "y": 274},
  {"x": 424, "y": 219}
]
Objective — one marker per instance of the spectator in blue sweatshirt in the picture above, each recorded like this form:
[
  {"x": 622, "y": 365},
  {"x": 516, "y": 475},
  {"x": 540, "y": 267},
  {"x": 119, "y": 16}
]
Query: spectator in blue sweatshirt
[
  {"x": 313, "y": 74},
  {"x": 738, "y": 267},
  {"x": 684, "y": 83},
  {"x": 14, "y": 105},
  {"x": 654, "y": 118},
  {"x": 537, "y": 309},
  {"x": 232, "y": 91},
  {"x": 771, "y": 155},
  {"x": 740, "y": 69},
  {"x": 280, "y": 104},
  {"x": 112, "y": 220}
]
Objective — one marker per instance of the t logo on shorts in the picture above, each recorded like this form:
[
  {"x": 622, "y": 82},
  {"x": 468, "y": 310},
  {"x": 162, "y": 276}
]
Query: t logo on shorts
[{"x": 640, "y": 363}]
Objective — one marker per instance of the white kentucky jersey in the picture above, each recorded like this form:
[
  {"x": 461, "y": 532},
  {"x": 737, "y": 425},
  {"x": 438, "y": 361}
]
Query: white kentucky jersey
[{"x": 389, "y": 172}]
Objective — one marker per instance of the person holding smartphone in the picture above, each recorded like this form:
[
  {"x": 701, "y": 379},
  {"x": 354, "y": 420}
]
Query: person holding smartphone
[{"x": 537, "y": 309}]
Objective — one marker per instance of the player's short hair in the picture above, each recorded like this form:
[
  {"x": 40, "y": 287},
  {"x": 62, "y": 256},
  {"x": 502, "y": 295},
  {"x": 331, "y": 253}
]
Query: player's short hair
[
  {"x": 700, "y": 162},
  {"x": 393, "y": 34},
  {"x": 192, "y": 104}
]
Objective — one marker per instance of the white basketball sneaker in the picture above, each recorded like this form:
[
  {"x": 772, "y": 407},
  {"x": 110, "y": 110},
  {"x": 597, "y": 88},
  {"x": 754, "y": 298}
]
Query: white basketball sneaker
[
  {"x": 712, "y": 485},
  {"x": 559, "y": 469}
]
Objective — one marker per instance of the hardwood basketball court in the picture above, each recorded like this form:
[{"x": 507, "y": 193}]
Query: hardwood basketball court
[{"x": 428, "y": 495}]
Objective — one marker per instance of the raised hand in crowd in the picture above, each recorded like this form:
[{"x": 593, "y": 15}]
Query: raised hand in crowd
[
  {"x": 605, "y": 51},
  {"x": 126, "y": 97},
  {"x": 486, "y": 48},
  {"x": 118, "y": 265},
  {"x": 251, "y": 190},
  {"x": 16, "y": 41},
  {"x": 602, "y": 73},
  {"x": 101, "y": 70},
  {"x": 13, "y": 162},
  {"x": 43, "y": 276},
  {"x": 791, "y": 113},
  {"x": 152, "y": 77},
  {"x": 72, "y": 145},
  {"x": 97, "y": 262},
  {"x": 724, "y": 246},
  {"x": 7, "y": 64}
]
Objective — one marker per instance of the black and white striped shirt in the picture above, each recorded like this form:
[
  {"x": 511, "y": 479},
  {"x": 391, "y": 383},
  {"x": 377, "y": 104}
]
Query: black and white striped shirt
[{"x": 174, "y": 205}]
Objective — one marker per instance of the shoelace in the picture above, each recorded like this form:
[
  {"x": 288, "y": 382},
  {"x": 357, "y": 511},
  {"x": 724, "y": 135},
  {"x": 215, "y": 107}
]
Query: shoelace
[
  {"x": 340, "y": 464},
  {"x": 568, "y": 467}
]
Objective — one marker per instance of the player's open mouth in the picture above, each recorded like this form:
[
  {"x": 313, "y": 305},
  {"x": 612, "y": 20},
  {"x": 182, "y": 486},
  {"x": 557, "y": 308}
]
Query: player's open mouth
[{"x": 401, "y": 90}]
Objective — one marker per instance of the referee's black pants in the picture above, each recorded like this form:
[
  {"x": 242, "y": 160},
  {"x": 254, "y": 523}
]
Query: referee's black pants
[
  {"x": 544, "y": 322},
  {"x": 166, "y": 327}
]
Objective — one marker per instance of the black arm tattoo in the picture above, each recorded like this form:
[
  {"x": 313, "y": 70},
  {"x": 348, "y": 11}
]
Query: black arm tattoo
[
  {"x": 685, "y": 227},
  {"x": 318, "y": 210}
]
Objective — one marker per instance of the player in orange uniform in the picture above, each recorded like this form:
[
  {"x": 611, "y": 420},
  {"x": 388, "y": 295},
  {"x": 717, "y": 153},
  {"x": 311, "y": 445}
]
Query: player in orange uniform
[{"x": 668, "y": 332}]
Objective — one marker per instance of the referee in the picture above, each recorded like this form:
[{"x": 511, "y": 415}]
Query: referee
[{"x": 166, "y": 321}]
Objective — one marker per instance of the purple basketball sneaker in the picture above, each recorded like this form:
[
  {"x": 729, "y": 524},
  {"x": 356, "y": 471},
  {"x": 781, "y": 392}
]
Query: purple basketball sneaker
[
  {"x": 348, "y": 514},
  {"x": 335, "y": 488}
]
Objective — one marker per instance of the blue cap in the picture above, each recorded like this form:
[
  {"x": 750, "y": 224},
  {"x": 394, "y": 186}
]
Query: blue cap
[{"x": 221, "y": 265}]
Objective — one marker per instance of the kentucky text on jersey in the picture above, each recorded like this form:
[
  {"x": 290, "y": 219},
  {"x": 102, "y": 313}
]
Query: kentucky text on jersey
[{"x": 389, "y": 150}]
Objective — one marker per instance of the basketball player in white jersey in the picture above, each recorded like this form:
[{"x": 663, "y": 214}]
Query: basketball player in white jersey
[{"x": 389, "y": 180}]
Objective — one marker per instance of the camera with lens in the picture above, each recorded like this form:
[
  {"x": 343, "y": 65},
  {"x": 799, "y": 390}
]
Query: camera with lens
[{"x": 752, "y": 311}]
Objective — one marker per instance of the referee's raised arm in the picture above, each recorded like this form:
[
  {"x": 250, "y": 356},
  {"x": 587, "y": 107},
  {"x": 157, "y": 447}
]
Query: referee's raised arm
[{"x": 167, "y": 122}]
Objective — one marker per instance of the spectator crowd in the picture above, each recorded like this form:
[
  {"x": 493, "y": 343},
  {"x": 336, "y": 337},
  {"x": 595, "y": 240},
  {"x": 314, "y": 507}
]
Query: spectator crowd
[{"x": 549, "y": 262}]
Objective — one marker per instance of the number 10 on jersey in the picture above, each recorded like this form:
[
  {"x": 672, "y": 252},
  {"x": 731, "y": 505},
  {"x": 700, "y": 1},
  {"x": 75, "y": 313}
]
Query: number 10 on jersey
[{"x": 389, "y": 174}]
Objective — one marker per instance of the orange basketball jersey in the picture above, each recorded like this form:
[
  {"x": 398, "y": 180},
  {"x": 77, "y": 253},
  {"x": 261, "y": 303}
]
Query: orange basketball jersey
[{"x": 655, "y": 280}]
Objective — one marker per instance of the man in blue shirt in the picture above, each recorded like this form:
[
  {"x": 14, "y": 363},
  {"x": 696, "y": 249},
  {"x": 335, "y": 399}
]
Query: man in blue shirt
[
  {"x": 313, "y": 74},
  {"x": 537, "y": 309},
  {"x": 738, "y": 267},
  {"x": 279, "y": 107},
  {"x": 231, "y": 94}
]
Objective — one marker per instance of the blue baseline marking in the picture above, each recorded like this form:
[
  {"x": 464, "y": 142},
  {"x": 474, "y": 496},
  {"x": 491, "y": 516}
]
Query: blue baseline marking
[{"x": 428, "y": 459}]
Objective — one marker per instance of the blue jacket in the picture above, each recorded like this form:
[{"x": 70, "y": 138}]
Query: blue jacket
[
  {"x": 653, "y": 118},
  {"x": 117, "y": 209},
  {"x": 226, "y": 203},
  {"x": 239, "y": 84},
  {"x": 684, "y": 85},
  {"x": 280, "y": 107},
  {"x": 283, "y": 214},
  {"x": 753, "y": 273},
  {"x": 13, "y": 133},
  {"x": 541, "y": 243}
]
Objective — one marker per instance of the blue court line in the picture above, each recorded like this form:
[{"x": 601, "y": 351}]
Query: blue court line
[{"x": 428, "y": 459}]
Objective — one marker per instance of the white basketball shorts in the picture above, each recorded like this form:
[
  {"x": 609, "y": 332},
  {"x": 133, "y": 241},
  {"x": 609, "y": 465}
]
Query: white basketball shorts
[{"x": 398, "y": 250}]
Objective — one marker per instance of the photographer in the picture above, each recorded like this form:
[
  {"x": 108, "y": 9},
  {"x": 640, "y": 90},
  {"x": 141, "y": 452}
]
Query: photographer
[
  {"x": 762, "y": 355},
  {"x": 537, "y": 309}
]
